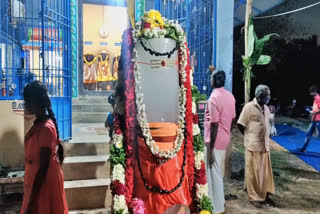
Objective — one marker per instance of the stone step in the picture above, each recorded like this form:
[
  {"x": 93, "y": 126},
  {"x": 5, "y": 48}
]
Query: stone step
[
  {"x": 89, "y": 117},
  {"x": 88, "y": 194},
  {"x": 91, "y": 99},
  {"x": 86, "y": 167},
  {"x": 86, "y": 149},
  {"x": 91, "y": 107},
  {"x": 94, "y": 211}
]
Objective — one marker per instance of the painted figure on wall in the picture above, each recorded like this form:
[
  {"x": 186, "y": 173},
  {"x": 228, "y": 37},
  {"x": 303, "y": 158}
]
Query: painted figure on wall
[
  {"x": 89, "y": 72},
  {"x": 104, "y": 73}
]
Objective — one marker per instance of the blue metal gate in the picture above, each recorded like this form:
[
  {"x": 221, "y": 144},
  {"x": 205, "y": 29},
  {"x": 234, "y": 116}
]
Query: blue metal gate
[
  {"x": 35, "y": 44},
  {"x": 198, "y": 17}
]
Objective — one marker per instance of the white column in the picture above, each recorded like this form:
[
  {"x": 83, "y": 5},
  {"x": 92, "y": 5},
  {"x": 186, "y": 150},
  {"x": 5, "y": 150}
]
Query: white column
[{"x": 224, "y": 39}]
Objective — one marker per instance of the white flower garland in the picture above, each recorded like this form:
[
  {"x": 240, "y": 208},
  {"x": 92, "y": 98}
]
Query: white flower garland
[
  {"x": 118, "y": 173},
  {"x": 117, "y": 140},
  {"x": 202, "y": 190},
  {"x": 119, "y": 203},
  {"x": 198, "y": 159},
  {"x": 196, "y": 129},
  {"x": 141, "y": 111}
]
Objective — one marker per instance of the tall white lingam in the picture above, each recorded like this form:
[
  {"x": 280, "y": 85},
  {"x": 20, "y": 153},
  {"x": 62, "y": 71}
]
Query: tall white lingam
[{"x": 159, "y": 79}]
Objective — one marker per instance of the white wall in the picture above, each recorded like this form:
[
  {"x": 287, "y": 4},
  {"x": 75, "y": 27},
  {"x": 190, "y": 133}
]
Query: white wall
[{"x": 224, "y": 39}]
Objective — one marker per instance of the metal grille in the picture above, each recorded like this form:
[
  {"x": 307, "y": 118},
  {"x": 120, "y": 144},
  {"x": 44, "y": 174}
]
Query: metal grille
[
  {"x": 35, "y": 45},
  {"x": 198, "y": 18}
]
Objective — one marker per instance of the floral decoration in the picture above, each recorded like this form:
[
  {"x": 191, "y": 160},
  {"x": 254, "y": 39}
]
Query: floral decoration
[
  {"x": 117, "y": 158},
  {"x": 153, "y": 25},
  {"x": 120, "y": 205},
  {"x": 203, "y": 202},
  {"x": 137, "y": 206},
  {"x": 122, "y": 157},
  {"x": 141, "y": 111}
]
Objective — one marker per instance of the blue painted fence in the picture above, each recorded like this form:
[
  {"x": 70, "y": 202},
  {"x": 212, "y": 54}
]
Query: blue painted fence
[
  {"x": 35, "y": 44},
  {"x": 198, "y": 18}
]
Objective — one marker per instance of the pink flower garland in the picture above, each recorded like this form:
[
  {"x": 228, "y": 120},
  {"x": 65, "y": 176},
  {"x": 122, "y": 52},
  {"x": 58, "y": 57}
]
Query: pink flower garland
[{"x": 137, "y": 206}]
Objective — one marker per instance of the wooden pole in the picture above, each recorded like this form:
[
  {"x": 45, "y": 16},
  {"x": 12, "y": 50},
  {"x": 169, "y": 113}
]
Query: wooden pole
[{"x": 247, "y": 72}]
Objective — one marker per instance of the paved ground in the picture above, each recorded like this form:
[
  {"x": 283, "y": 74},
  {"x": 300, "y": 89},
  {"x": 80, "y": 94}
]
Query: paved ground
[{"x": 89, "y": 133}]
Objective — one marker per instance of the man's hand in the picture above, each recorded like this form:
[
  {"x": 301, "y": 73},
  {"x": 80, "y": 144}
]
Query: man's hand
[
  {"x": 241, "y": 128},
  {"x": 212, "y": 159}
]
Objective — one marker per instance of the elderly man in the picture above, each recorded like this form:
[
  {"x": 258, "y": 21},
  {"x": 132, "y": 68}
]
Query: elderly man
[
  {"x": 219, "y": 115},
  {"x": 254, "y": 124}
]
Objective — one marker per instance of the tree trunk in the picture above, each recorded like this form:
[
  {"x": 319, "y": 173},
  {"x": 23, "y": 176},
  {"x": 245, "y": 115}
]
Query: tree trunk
[
  {"x": 247, "y": 77},
  {"x": 247, "y": 84}
]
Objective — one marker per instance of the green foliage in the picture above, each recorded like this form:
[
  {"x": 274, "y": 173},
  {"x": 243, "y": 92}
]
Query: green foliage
[
  {"x": 255, "y": 49},
  {"x": 254, "y": 57},
  {"x": 196, "y": 95},
  {"x": 120, "y": 211},
  {"x": 250, "y": 40},
  {"x": 117, "y": 156},
  {"x": 264, "y": 60},
  {"x": 172, "y": 33},
  {"x": 198, "y": 143},
  {"x": 205, "y": 204}
]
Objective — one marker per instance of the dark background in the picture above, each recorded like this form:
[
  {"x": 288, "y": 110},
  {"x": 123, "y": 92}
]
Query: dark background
[{"x": 294, "y": 68}]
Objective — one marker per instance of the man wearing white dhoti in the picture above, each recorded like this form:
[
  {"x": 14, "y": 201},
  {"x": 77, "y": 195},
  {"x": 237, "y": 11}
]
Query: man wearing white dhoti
[{"x": 219, "y": 116}]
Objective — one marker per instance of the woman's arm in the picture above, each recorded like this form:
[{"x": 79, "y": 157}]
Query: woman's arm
[{"x": 45, "y": 155}]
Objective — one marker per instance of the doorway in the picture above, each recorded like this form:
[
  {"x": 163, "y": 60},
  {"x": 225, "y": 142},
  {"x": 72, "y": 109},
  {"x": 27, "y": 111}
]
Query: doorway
[{"x": 101, "y": 25}]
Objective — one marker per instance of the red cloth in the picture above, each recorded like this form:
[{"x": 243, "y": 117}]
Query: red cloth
[
  {"x": 164, "y": 176},
  {"x": 51, "y": 198},
  {"x": 316, "y": 108}
]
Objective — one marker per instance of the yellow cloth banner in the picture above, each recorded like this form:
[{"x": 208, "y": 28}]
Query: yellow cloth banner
[{"x": 131, "y": 7}]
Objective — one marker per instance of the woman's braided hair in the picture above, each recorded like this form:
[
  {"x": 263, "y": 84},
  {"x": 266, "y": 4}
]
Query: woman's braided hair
[{"x": 37, "y": 92}]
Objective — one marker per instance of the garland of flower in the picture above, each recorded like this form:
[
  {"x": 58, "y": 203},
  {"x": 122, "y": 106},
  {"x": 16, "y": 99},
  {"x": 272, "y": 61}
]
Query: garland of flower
[
  {"x": 204, "y": 205},
  {"x": 117, "y": 159},
  {"x": 130, "y": 112},
  {"x": 122, "y": 152},
  {"x": 141, "y": 111}
]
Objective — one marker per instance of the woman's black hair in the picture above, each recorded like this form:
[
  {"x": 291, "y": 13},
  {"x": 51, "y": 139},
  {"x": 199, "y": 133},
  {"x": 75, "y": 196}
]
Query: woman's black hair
[
  {"x": 218, "y": 79},
  {"x": 37, "y": 92}
]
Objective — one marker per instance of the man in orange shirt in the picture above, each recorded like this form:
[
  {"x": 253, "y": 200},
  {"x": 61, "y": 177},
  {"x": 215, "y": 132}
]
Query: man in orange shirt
[{"x": 315, "y": 123}]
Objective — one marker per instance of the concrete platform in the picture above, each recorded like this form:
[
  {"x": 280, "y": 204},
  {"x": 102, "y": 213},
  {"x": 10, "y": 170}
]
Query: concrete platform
[
  {"x": 85, "y": 149},
  {"x": 89, "y": 117},
  {"x": 88, "y": 194},
  {"x": 89, "y": 133},
  {"x": 86, "y": 167},
  {"x": 95, "y": 211},
  {"x": 90, "y": 109}
]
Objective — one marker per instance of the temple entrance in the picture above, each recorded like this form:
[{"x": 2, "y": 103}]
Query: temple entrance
[{"x": 101, "y": 26}]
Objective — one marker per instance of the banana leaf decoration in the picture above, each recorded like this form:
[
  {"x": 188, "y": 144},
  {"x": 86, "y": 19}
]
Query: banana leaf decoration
[{"x": 255, "y": 48}]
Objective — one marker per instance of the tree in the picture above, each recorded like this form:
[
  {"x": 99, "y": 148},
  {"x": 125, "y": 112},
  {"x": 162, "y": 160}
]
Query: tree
[{"x": 253, "y": 56}]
